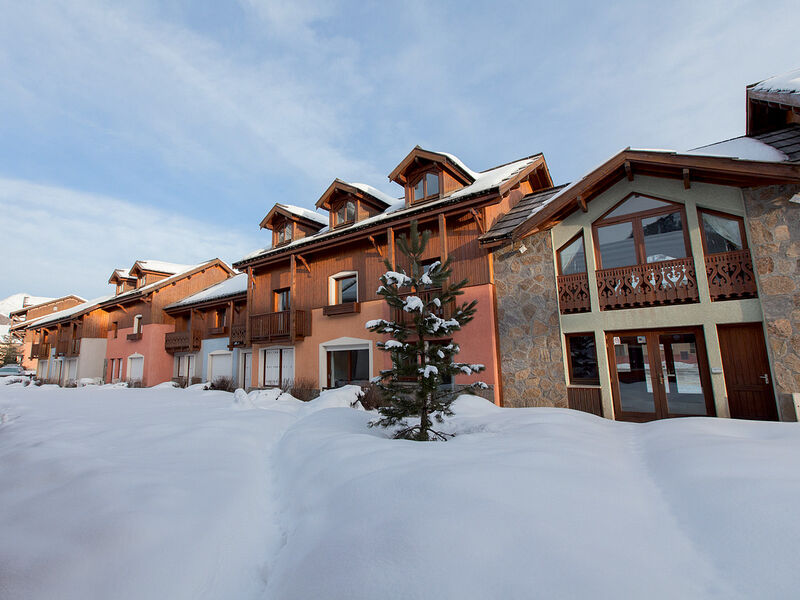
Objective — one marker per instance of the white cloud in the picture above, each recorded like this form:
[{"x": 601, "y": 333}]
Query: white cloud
[{"x": 61, "y": 241}]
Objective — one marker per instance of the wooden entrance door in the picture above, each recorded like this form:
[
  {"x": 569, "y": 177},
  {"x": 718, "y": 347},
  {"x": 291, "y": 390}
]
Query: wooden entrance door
[
  {"x": 657, "y": 374},
  {"x": 747, "y": 375}
]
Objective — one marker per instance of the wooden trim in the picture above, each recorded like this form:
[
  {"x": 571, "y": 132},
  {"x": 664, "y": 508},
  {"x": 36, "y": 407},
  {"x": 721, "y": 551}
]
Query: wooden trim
[
  {"x": 478, "y": 220},
  {"x": 719, "y": 213},
  {"x": 390, "y": 248},
  {"x": 442, "y": 238},
  {"x": 628, "y": 170},
  {"x": 345, "y": 308},
  {"x": 375, "y": 245},
  {"x": 569, "y": 242},
  {"x": 686, "y": 181},
  {"x": 573, "y": 380}
]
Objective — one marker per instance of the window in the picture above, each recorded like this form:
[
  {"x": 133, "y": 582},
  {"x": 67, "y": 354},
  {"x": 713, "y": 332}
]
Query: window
[
  {"x": 426, "y": 187},
  {"x": 641, "y": 230},
  {"x": 722, "y": 233},
  {"x": 571, "y": 257},
  {"x": 345, "y": 289},
  {"x": 345, "y": 366},
  {"x": 142, "y": 280},
  {"x": 219, "y": 318},
  {"x": 285, "y": 232},
  {"x": 137, "y": 324},
  {"x": 283, "y": 300},
  {"x": 119, "y": 289},
  {"x": 582, "y": 359},
  {"x": 115, "y": 328},
  {"x": 344, "y": 214}
]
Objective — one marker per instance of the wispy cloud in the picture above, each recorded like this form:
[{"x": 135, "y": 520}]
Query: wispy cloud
[{"x": 61, "y": 241}]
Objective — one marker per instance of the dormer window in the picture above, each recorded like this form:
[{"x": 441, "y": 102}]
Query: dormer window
[
  {"x": 142, "y": 280},
  {"x": 285, "y": 233},
  {"x": 426, "y": 187},
  {"x": 345, "y": 214}
]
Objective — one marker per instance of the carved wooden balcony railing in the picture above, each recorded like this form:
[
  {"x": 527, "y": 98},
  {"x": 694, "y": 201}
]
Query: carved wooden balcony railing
[
  {"x": 444, "y": 312},
  {"x": 182, "y": 341},
  {"x": 238, "y": 335},
  {"x": 573, "y": 293},
  {"x": 653, "y": 284},
  {"x": 40, "y": 350},
  {"x": 277, "y": 326},
  {"x": 731, "y": 276}
]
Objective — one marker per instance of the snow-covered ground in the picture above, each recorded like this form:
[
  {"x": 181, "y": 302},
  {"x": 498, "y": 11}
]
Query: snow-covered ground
[{"x": 167, "y": 493}]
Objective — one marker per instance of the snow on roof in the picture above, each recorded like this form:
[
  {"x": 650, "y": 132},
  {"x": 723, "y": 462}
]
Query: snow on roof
[
  {"x": 305, "y": 213},
  {"x": 230, "y": 287},
  {"x": 744, "y": 148},
  {"x": 787, "y": 82},
  {"x": 459, "y": 162},
  {"x": 368, "y": 189},
  {"x": 491, "y": 178},
  {"x": 123, "y": 273},
  {"x": 160, "y": 282},
  {"x": 68, "y": 312},
  {"x": 160, "y": 266}
]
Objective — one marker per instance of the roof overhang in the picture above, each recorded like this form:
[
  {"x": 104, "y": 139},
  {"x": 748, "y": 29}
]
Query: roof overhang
[
  {"x": 279, "y": 211},
  {"x": 339, "y": 186},
  {"x": 418, "y": 156},
  {"x": 687, "y": 167}
]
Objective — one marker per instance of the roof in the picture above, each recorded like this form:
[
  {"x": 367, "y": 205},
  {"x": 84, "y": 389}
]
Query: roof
[
  {"x": 144, "y": 290},
  {"x": 160, "y": 266},
  {"x": 496, "y": 179},
  {"x": 375, "y": 195},
  {"x": 290, "y": 210},
  {"x": 785, "y": 83},
  {"x": 720, "y": 170},
  {"x": 453, "y": 162},
  {"x": 68, "y": 313},
  {"x": 121, "y": 274},
  {"x": 43, "y": 302},
  {"x": 525, "y": 208},
  {"x": 774, "y": 146},
  {"x": 230, "y": 287}
]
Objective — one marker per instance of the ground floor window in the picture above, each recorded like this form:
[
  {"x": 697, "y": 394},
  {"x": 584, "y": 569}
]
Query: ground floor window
[
  {"x": 582, "y": 359},
  {"x": 347, "y": 366},
  {"x": 220, "y": 365},
  {"x": 184, "y": 367},
  {"x": 277, "y": 366}
]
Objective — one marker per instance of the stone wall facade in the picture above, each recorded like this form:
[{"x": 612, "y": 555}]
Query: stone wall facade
[
  {"x": 532, "y": 367},
  {"x": 774, "y": 228}
]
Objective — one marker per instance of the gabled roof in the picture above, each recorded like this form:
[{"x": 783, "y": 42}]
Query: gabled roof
[
  {"x": 774, "y": 146},
  {"x": 295, "y": 213},
  {"x": 225, "y": 290},
  {"x": 527, "y": 206},
  {"x": 497, "y": 180},
  {"x": 158, "y": 266},
  {"x": 132, "y": 295},
  {"x": 452, "y": 163},
  {"x": 67, "y": 314},
  {"x": 787, "y": 83},
  {"x": 361, "y": 190},
  {"x": 28, "y": 307},
  {"x": 629, "y": 163},
  {"x": 120, "y": 275}
]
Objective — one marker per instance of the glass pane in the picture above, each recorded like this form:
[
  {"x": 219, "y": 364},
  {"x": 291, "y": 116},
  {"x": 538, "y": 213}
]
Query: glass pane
[
  {"x": 617, "y": 247},
  {"x": 636, "y": 204},
  {"x": 432, "y": 181},
  {"x": 418, "y": 193},
  {"x": 663, "y": 237},
  {"x": 360, "y": 364},
  {"x": 582, "y": 358},
  {"x": 282, "y": 300},
  {"x": 340, "y": 366},
  {"x": 633, "y": 374},
  {"x": 572, "y": 258},
  {"x": 681, "y": 371},
  {"x": 347, "y": 289},
  {"x": 722, "y": 234},
  {"x": 350, "y": 212}
]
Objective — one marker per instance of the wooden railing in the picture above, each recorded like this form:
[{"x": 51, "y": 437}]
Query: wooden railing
[
  {"x": 444, "y": 312},
  {"x": 40, "y": 350},
  {"x": 731, "y": 276},
  {"x": 212, "y": 331},
  {"x": 653, "y": 284},
  {"x": 182, "y": 341},
  {"x": 573, "y": 293},
  {"x": 586, "y": 399},
  {"x": 62, "y": 347},
  {"x": 277, "y": 326},
  {"x": 74, "y": 347},
  {"x": 238, "y": 335}
]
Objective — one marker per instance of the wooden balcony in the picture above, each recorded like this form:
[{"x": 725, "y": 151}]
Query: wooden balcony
[
  {"x": 573, "y": 293},
  {"x": 277, "y": 326},
  {"x": 345, "y": 308},
  {"x": 74, "y": 347},
  {"x": 182, "y": 341},
  {"x": 653, "y": 284},
  {"x": 444, "y": 312},
  {"x": 217, "y": 331},
  {"x": 40, "y": 350},
  {"x": 731, "y": 276},
  {"x": 238, "y": 336},
  {"x": 62, "y": 347}
]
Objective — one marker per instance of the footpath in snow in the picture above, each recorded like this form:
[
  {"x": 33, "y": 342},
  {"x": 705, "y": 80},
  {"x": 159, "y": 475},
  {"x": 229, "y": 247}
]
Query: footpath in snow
[{"x": 169, "y": 493}]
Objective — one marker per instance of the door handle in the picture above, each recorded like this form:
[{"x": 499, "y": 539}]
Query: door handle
[{"x": 765, "y": 377}]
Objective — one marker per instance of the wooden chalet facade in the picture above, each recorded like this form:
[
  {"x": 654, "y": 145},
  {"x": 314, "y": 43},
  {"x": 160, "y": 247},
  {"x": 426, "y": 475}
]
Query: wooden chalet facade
[
  {"x": 21, "y": 318},
  {"x": 137, "y": 322},
  {"x": 311, "y": 294}
]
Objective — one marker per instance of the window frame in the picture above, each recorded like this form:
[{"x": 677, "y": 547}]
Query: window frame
[
  {"x": 718, "y": 213},
  {"x": 342, "y": 204},
  {"x": 636, "y": 224},
  {"x": 137, "y": 324},
  {"x": 568, "y": 355},
  {"x": 569, "y": 242},
  {"x": 333, "y": 287},
  {"x": 276, "y": 295},
  {"x": 423, "y": 176},
  {"x": 281, "y": 230}
]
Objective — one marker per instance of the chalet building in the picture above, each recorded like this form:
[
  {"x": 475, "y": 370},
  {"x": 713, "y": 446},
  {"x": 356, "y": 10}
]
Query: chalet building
[
  {"x": 662, "y": 284},
  {"x": 71, "y": 344},
  {"x": 311, "y": 293},
  {"x": 137, "y": 322},
  {"x": 21, "y": 318},
  {"x": 209, "y": 338}
]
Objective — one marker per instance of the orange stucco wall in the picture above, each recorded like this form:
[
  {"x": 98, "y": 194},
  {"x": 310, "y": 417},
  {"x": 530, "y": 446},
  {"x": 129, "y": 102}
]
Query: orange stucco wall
[
  {"x": 158, "y": 363},
  {"x": 477, "y": 340}
]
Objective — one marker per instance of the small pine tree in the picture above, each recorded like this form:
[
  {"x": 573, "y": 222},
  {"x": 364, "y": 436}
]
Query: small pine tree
[
  {"x": 9, "y": 351},
  {"x": 423, "y": 297}
]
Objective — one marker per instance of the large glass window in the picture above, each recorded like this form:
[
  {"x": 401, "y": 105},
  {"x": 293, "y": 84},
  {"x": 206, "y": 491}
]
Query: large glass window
[
  {"x": 663, "y": 237},
  {"x": 572, "y": 258},
  {"x": 345, "y": 366},
  {"x": 722, "y": 233},
  {"x": 582, "y": 359},
  {"x": 426, "y": 187},
  {"x": 617, "y": 246},
  {"x": 346, "y": 289},
  {"x": 346, "y": 213}
]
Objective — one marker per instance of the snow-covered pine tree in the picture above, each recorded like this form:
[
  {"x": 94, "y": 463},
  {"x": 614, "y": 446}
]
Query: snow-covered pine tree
[{"x": 420, "y": 360}]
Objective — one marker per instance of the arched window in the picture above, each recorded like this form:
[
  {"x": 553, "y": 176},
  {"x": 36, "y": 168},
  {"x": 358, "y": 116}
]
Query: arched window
[
  {"x": 426, "y": 187},
  {"x": 641, "y": 230}
]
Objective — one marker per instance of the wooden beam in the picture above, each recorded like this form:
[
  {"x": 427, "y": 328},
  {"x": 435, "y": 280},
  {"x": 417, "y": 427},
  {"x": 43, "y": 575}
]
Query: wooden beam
[
  {"x": 390, "y": 247},
  {"x": 582, "y": 204},
  {"x": 686, "y": 182},
  {"x": 628, "y": 170},
  {"x": 478, "y": 219},
  {"x": 292, "y": 296},
  {"x": 249, "y": 303},
  {"x": 375, "y": 245},
  {"x": 305, "y": 264},
  {"x": 442, "y": 238}
]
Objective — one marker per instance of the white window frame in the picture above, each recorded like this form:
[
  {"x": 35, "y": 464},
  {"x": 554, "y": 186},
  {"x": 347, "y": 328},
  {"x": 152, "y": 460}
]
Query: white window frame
[
  {"x": 343, "y": 343},
  {"x": 332, "y": 294},
  {"x": 137, "y": 324},
  {"x": 133, "y": 356}
]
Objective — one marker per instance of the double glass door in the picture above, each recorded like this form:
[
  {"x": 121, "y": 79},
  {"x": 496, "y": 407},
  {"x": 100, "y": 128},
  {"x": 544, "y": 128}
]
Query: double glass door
[{"x": 659, "y": 373}]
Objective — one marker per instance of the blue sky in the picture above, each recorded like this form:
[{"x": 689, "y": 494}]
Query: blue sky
[{"x": 167, "y": 130}]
